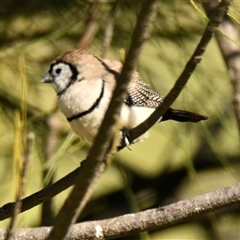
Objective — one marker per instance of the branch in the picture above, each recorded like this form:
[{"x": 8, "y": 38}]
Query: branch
[
  {"x": 91, "y": 25},
  {"x": 43, "y": 195},
  {"x": 22, "y": 180},
  {"x": 230, "y": 52},
  {"x": 67, "y": 181},
  {"x": 49, "y": 148},
  {"x": 215, "y": 20},
  {"x": 143, "y": 221},
  {"x": 94, "y": 165},
  {"x": 109, "y": 28}
]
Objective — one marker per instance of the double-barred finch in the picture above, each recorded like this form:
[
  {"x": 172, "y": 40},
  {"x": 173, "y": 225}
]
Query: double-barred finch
[{"x": 84, "y": 85}]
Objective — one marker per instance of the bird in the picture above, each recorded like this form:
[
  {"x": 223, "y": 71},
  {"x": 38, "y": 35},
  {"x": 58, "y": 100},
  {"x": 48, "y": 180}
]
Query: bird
[{"x": 84, "y": 84}]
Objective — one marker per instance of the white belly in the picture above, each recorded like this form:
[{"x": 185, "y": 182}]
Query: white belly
[
  {"x": 80, "y": 98},
  {"x": 133, "y": 116}
]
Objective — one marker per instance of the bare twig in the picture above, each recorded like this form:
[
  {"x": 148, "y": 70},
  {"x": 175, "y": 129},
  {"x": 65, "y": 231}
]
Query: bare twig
[
  {"x": 142, "y": 221},
  {"x": 230, "y": 52},
  {"x": 43, "y": 195},
  {"x": 64, "y": 183},
  {"x": 18, "y": 203},
  {"x": 91, "y": 25},
  {"x": 109, "y": 29},
  {"x": 215, "y": 20},
  {"x": 100, "y": 149},
  {"x": 50, "y": 147}
]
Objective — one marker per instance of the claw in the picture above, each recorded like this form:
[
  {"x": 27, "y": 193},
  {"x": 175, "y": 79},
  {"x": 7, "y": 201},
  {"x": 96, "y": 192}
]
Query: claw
[
  {"x": 127, "y": 143},
  {"x": 126, "y": 136}
]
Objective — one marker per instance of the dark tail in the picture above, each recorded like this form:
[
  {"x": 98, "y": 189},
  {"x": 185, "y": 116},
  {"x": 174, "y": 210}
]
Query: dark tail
[{"x": 182, "y": 116}]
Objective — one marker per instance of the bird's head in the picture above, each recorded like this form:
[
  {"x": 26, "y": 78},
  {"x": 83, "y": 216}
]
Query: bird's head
[{"x": 61, "y": 75}]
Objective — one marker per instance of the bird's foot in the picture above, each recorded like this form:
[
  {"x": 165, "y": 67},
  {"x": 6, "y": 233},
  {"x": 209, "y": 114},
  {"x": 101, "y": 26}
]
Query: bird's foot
[{"x": 126, "y": 137}]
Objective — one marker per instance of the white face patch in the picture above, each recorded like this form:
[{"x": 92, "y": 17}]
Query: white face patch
[{"x": 61, "y": 73}]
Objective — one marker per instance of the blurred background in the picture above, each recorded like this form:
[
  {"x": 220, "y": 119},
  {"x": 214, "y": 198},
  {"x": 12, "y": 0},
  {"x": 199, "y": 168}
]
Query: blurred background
[{"x": 177, "y": 161}]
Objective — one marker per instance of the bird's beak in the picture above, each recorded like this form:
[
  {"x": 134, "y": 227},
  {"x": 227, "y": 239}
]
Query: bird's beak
[{"x": 47, "y": 78}]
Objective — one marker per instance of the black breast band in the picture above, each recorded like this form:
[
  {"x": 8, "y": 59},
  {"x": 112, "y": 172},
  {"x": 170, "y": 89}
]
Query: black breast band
[{"x": 95, "y": 105}]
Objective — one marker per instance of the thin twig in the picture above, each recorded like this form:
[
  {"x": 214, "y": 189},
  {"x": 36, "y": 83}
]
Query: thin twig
[
  {"x": 214, "y": 22},
  {"x": 67, "y": 181},
  {"x": 18, "y": 203},
  {"x": 43, "y": 195},
  {"x": 50, "y": 147},
  {"x": 142, "y": 221},
  {"x": 95, "y": 165},
  {"x": 91, "y": 25},
  {"x": 230, "y": 52},
  {"x": 109, "y": 29}
]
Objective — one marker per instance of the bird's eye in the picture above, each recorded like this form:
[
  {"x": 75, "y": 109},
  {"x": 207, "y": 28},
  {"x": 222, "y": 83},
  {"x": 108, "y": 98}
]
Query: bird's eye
[{"x": 58, "y": 70}]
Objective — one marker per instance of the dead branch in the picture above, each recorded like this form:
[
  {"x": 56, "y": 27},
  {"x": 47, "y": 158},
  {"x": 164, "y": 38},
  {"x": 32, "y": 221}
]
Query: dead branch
[
  {"x": 95, "y": 163},
  {"x": 142, "y": 221}
]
